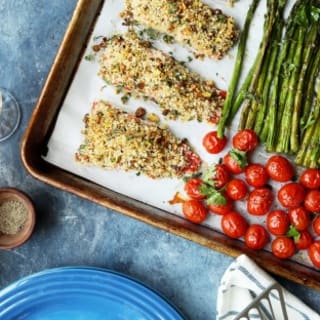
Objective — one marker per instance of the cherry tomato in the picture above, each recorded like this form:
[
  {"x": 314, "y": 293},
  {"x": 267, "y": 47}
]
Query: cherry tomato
[
  {"x": 310, "y": 178},
  {"x": 312, "y": 201},
  {"x": 299, "y": 218},
  {"x": 304, "y": 241},
  {"x": 256, "y": 237},
  {"x": 316, "y": 225},
  {"x": 278, "y": 222},
  {"x": 234, "y": 224},
  {"x": 212, "y": 143},
  {"x": 314, "y": 253},
  {"x": 259, "y": 201},
  {"x": 245, "y": 140},
  {"x": 194, "y": 211},
  {"x": 191, "y": 188},
  {"x": 221, "y": 209},
  {"x": 232, "y": 165},
  {"x": 291, "y": 195},
  {"x": 221, "y": 176},
  {"x": 256, "y": 175},
  {"x": 236, "y": 189},
  {"x": 279, "y": 169},
  {"x": 283, "y": 247}
]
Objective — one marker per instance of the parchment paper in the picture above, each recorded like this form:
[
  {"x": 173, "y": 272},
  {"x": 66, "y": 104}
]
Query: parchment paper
[{"x": 87, "y": 87}]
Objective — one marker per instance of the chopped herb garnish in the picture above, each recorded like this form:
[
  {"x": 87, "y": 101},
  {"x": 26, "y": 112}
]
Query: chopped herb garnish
[
  {"x": 124, "y": 99},
  {"x": 213, "y": 195},
  {"x": 168, "y": 39},
  {"x": 89, "y": 57}
]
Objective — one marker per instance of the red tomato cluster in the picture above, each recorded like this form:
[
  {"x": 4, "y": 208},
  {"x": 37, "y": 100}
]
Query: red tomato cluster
[{"x": 216, "y": 190}]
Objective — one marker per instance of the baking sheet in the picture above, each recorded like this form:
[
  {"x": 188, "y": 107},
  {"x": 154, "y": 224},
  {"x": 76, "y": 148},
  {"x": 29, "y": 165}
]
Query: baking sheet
[{"x": 87, "y": 87}]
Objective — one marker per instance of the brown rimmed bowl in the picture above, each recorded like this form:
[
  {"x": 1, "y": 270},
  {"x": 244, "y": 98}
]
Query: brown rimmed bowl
[{"x": 8, "y": 241}]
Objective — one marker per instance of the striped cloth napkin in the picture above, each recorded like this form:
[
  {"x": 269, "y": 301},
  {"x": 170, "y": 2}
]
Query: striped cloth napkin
[{"x": 243, "y": 281}]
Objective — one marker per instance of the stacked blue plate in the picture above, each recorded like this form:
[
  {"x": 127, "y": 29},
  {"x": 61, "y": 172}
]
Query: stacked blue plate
[{"x": 80, "y": 293}]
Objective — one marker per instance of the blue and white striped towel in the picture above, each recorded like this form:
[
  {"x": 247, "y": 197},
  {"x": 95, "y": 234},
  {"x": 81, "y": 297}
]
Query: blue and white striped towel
[{"x": 243, "y": 281}]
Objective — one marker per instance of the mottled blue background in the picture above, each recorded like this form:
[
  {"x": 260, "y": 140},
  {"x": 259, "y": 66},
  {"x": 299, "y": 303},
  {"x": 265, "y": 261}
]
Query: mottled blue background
[{"x": 71, "y": 231}]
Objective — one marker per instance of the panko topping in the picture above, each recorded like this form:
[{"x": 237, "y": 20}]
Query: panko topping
[
  {"x": 207, "y": 31},
  {"x": 114, "y": 139},
  {"x": 137, "y": 68}
]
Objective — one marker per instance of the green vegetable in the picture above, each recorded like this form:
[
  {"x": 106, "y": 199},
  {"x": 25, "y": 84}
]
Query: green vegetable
[
  {"x": 227, "y": 107},
  {"x": 213, "y": 195},
  {"x": 293, "y": 233}
]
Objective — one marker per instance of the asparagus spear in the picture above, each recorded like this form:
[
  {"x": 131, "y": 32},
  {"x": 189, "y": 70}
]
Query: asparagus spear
[
  {"x": 309, "y": 91},
  {"x": 304, "y": 153},
  {"x": 237, "y": 69},
  {"x": 272, "y": 13},
  {"x": 263, "y": 117},
  {"x": 283, "y": 144},
  {"x": 307, "y": 54}
]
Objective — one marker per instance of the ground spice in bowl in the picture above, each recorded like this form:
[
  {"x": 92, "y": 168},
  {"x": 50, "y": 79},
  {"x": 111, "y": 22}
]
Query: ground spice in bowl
[
  {"x": 17, "y": 217},
  {"x": 13, "y": 215}
]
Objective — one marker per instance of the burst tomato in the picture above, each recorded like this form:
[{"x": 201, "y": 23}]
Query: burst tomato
[
  {"x": 221, "y": 209},
  {"x": 256, "y": 175},
  {"x": 245, "y": 140},
  {"x": 256, "y": 237},
  {"x": 312, "y": 201},
  {"x": 194, "y": 211},
  {"x": 191, "y": 188},
  {"x": 299, "y": 218},
  {"x": 212, "y": 143},
  {"x": 236, "y": 189},
  {"x": 234, "y": 224},
  {"x": 279, "y": 169},
  {"x": 310, "y": 178},
  {"x": 305, "y": 240},
  {"x": 278, "y": 222},
  {"x": 316, "y": 225},
  {"x": 233, "y": 163},
  {"x": 291, "y": 195},
  {"x": 314, "y": 253},
  {"x": 259, "y": 201},
  {"x": 220, "y": 176},
  {"x": 283, "y": 247}
]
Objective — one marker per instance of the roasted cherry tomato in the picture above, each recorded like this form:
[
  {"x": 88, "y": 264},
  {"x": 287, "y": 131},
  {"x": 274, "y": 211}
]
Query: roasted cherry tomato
[
  {"x": 221, "y": 176},
  {"x": 312, "y": 201},
  {"x": 299, "y": 218},
  {"x": 212, "y": 143},
  {"x": 305, "y": 240},
  {"x": 259, "y": 201},
  {"x": 310, "y": 178},
  {"x": 256, "y": 175},
  {"x": 232, "y": 165},
  {"x": 316, "y": 225},
  {"x": 278, "y": 222},
  {"x": 283, "y": 247},
  {"x": 192, "y": 188},
  {"x": 236, "y": 189},
  {"x": 291, "y": 195},
  {"x": 221, "y": 209},
  {"x": 314, "y": 253},
  {"x": 279, "y": 169},
  {"x": 245, "y": 140},
  {"x": 256, "y": 237},
  {"x": 234, "y": 224},
  {"x": 194, "y": 211}
]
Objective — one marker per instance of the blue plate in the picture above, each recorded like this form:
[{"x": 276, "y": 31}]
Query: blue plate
[{"x": 81, "y": 293}]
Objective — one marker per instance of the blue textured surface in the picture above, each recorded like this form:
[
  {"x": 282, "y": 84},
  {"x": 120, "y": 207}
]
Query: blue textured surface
[
  {"x": 81, "y": 293},
  {"x": 71, "y": 231}
]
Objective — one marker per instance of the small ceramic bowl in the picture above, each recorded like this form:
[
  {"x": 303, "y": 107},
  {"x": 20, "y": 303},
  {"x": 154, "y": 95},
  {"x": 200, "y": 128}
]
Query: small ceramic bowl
[{"x": 9, "y": 241}]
